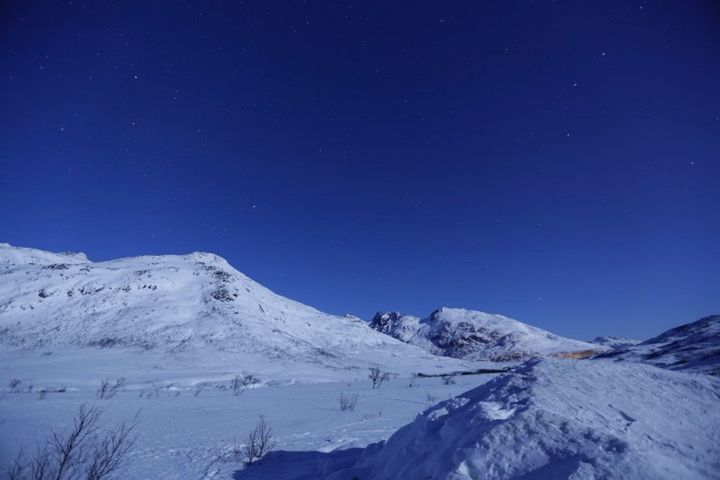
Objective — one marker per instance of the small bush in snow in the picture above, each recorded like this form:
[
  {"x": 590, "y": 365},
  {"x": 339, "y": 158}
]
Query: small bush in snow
[
  {"x": 448, "y": 379},
  {"x": 250, "y": 380},
  {"x": 378, "y": 377},
  {"x": 348, "y": 403},
  {"x": 240, "y": 383},
  {"x": 259, "y": 442},
  {"x": 108, "y": 389},
  {"x": 431, "y": 399},
  {"x": 84, "y": 452},
  {"x": 236, "y": 385},
  {"x": 14, "y": 384}
]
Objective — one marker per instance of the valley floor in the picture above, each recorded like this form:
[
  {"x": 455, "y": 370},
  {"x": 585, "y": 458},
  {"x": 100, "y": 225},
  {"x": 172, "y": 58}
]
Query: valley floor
[{"x": 182, "y": 435}]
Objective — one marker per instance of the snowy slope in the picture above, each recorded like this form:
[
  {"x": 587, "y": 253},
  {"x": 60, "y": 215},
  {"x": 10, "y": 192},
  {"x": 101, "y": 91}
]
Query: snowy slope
[
  {"x": 187, "y": 303},
  {"x": 470, "y": 334},
  {"x": 693, "y": 346},
  {"x": 561, "y": 419},
  {"x": 615, "y": 342}
]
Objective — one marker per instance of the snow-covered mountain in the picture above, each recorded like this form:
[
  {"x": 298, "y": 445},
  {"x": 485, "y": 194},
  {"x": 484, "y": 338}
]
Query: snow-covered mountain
[
  {"x": 469, "y": 334},
  {"x": 615, "y": 342},
  {"x": 177, "y": 303},
  {"x": 560, "y": 419},
  {"x": 693, "y": 346}
]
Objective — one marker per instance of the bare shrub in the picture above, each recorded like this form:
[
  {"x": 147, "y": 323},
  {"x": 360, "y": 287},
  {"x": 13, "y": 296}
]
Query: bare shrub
[
  {"x": 240, "y": 383},
  {"x": 431, "y": 399},
  {"x": 108, "y": 389},
  {"x": 250, "y": 380},
  {"x": 448, "y": 379},
  {"x": 378, "y": 377},
  {"x": 84, "y": 452},
  {"x": 259, "y": 442},
  {"x": 347, "y": 403},
  {"x": 14, "y": 384},
  {"x": 413, "y": 378},
  {"x": 236, "y": 385}
]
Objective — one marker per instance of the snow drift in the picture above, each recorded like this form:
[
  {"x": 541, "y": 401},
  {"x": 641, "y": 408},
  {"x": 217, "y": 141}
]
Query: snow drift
[{"x": 561, "y": 419}]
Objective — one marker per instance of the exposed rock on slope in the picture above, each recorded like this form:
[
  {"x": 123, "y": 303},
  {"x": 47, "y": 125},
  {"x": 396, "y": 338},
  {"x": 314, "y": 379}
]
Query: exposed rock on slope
[
  {"x": 177, "y": 303},
  {"x": 469, "y": 334},
  {"x": 694, "y": 346}
]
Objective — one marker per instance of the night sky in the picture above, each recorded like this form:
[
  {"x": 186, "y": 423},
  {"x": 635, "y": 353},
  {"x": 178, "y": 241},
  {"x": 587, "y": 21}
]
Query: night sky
[{"x": 554, "y": 161}]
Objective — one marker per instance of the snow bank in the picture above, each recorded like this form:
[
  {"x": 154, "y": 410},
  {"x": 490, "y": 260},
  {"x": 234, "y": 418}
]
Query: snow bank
[{"x": 561, "y": 419}]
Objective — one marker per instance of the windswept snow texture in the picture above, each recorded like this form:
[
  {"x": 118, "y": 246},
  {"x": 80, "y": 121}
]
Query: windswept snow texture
[
  {"x": 468, "y": 334},
  {"x": 693, "y": 346},
  {"x": 615, "y": 342},
  {"x": 561, "y": 419},
  {"x": 188, "y": 303}
]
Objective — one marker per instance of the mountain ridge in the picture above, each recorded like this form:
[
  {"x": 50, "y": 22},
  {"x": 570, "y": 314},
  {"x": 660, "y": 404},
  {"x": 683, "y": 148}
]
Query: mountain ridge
[
  {"x": 177, "y": 303},
  {"x": 471, "y": 334}
]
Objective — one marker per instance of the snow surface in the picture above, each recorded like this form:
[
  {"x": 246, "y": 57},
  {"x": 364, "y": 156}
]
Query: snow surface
[
  {"x": 196, "y": 306},
  {"x": 693, "y": 346},
  {"x": 615, "y": 342},
  {"x": 182, "y": 435},
  {"x": 561, "y": 419},
  {"x": 469, "y": 334},
  {"x": 177, "y": 329}
]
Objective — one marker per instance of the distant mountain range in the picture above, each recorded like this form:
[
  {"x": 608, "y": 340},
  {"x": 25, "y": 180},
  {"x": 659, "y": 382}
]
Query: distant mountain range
[
  {"x": 693, "y": 346},
  {"x": 198, "y": 302},
  {"x": 194, "y": 303}
]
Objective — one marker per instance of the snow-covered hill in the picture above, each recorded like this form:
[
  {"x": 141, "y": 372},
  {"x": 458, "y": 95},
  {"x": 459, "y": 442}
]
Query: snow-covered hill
[
  {"x": 615, "y": 342},
  {"x": 468, "y": 334},
  {"x": 561, "y": 419},
  {"x": 693, "y": 346},
  {"x": 187, "y": 303}
]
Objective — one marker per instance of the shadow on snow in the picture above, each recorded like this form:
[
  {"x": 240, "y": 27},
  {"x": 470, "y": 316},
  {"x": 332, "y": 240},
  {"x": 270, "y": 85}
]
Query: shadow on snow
[{"x": 286, "y": 465}]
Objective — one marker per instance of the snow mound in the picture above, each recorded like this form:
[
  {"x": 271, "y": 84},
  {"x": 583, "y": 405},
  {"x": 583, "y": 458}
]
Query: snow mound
[
  {"x": 693, "y": 346},
  {"x": 469, "y": 334},
  {"x": 561, "y": 419},
  {"x": 178, "y": 303}
]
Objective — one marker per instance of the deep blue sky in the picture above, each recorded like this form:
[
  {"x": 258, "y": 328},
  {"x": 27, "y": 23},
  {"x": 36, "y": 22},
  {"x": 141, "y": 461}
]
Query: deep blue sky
[{"x": 558, "y": 162}]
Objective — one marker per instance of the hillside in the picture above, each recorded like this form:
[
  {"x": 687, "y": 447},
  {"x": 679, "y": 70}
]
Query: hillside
[
  {"x": 615, "y": 342},
  {"x": 473, "y": 335},
  {"x": 194, "y": 303},
  {"x": 693, "y": 346}
]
